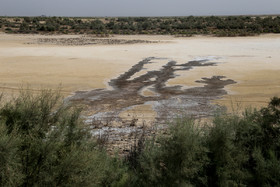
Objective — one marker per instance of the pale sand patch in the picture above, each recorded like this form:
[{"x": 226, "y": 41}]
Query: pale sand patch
[
  {"x": 144, "y": 114},
  {"x": 147, "y": 92},
  {"x": 253, "y": 62}
]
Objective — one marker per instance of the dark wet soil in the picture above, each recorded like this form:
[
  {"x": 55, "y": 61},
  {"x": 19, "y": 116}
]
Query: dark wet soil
[
  {"x": 126, "y": 92},
  {"x": 168, "y": 102}
]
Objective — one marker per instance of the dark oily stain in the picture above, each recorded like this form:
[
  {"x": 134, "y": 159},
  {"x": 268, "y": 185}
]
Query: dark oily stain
[{"x": 168, "y": 102}]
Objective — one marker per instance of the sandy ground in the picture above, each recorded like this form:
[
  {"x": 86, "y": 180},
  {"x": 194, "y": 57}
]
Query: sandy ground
[{"x": 253, "y": 62}]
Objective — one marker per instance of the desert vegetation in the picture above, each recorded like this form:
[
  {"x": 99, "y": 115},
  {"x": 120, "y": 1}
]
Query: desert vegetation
[
  {"x": 180, "y": 26},
  {"x": 44, "y": 142}
]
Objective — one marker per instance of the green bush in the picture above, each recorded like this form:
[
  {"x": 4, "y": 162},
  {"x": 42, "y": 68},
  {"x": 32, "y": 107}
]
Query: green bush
[
  {"x": 44, "y": 143},
  {"x": 10, "y": 174},
  {"x": 232, "y": 151},
  {"x": 177, "y": 158}
]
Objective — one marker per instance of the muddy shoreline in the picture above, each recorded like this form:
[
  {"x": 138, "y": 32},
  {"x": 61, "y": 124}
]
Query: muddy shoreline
[
  {"x": 169, "y": 102},
  {"x": 126, "y": 92}
]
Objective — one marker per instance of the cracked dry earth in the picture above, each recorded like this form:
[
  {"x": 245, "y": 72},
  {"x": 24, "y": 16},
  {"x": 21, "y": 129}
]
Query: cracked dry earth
[{"x": 169, "y": 102}]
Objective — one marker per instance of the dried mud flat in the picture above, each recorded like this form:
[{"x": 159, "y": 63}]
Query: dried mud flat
[{"x": 118, "y": 85}]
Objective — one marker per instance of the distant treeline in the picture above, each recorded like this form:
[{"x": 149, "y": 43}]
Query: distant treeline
[{"x": 182, "y": 26}]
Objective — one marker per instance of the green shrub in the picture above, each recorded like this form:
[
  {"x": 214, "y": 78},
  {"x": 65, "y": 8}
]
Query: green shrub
[
  {"x": 10, "y": 174},
  {"x": 178, "y": 158},
  {"x": 232, "y": 151},
  {"x": 227, "y": 156},
  {"x": 44, "y": 143}
]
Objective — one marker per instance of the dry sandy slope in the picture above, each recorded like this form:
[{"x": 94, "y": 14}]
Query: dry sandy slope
[{"x": 253, "y": 62}]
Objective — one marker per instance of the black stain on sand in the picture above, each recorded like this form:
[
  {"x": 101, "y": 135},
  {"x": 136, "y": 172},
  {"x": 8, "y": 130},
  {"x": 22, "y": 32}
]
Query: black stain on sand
[{"x": 170, "y": 100}]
